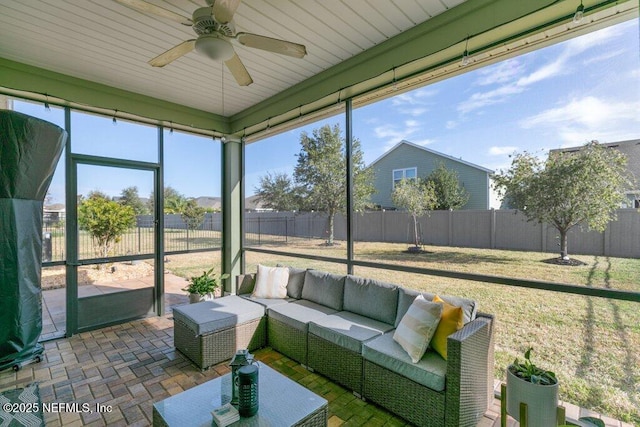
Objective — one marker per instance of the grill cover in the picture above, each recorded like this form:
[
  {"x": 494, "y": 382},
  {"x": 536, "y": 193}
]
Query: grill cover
[{"x": 29, "y": 151}]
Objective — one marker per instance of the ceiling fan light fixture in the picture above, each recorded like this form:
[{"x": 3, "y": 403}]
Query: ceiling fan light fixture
[{"x": 214, "y": 47}]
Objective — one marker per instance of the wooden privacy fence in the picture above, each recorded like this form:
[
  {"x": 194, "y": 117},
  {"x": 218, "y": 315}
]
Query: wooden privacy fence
[{"x": 489, "y": 229}]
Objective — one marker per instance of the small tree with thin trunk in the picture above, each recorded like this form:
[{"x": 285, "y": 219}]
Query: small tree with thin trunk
[
  {"x": 584, "y": 187},
  {"x": 418, "y": 197},
  {"x": 105, "y": 220},
  {"x": 192, "y": 214}
]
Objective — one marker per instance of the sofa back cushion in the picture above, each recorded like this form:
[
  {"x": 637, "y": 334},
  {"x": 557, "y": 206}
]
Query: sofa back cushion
[
  {"x": 371, "y": 298},
  {"x": 324, "y": 288},
  {"x": 406, "y": 297},
  {"x": 296, "y": 282}
]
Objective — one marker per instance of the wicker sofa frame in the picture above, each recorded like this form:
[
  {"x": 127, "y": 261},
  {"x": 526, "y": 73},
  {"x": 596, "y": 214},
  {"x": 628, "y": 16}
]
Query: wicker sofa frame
[
  {"x": 210, "y": 349},
  {"x": 468, "y": 380}
]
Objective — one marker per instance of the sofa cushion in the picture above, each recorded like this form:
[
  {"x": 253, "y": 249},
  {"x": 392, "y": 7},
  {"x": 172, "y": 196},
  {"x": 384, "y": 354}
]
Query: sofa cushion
[
  {"x": 296, "y": 281},
  {"x": 430, "y": 371},
  {"x": 347, "y": 329},
  {"x": 324, "y": 288},
  {"x": 271, "y": 282},
  {"x": 266, "y": 302},
  {"x": 299, "y": 313},
  {"x": 406, "y": 297},
  {"x": 221, "y": 313},
  {"x": 417, "y": 327},
  {"x": 371, "y": 298},
  {"x": 450, "y": 322}
]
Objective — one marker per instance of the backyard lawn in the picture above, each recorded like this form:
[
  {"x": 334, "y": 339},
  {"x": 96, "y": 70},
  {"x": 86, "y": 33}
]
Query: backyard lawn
[{"x": 593, "y": 344}]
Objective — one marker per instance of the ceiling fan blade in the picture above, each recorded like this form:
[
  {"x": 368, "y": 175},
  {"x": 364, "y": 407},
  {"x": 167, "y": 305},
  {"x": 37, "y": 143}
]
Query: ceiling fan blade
[
  {"x": 238, "y": 70},
  {"x": 144, "y": 7},
  {"x": 272, "y": 45},
  {"x": 223, "y": 10},
  {"x": 173, "y": 53}
]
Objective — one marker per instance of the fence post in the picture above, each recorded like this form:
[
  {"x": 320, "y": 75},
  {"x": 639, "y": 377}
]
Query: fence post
[
  {"x": 450, "y": 231},
  {"x": 139, "y": 240},
  {"x": 187, "y": 237},
  {"x": 259, "y": 233},
  {"x": 493, "y": 229},
  {"x": 286, "y": 229},
  {"x": 47, "y": 248}
]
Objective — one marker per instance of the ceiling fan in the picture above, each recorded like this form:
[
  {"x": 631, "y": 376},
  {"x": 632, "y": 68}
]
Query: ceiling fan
[{"x": 216, "y": 31}]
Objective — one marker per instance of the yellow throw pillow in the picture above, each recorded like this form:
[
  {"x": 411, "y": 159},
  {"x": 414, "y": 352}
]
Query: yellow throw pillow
[{"x": 450, "y": 322}]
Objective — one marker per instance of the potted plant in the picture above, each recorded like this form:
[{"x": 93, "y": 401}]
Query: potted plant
[
  {"x": 202, "y": 287},
  {"x": 538, "y": 388}
]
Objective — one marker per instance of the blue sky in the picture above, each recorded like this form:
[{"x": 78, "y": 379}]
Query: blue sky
[{"x": 564, "y": 95}]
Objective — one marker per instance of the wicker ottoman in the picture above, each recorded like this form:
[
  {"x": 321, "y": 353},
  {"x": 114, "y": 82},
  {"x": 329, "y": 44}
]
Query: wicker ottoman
[{"x": 211, "y": 332}]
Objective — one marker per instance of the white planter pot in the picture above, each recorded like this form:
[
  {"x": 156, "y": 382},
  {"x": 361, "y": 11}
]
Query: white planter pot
[
  {"x": 193, "y": 298},
  {"x": 541, "y": 400}
]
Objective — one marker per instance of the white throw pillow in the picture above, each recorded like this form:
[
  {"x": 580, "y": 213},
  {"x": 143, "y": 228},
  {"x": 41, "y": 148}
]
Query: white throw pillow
[
  {"x": 417, "y": 327},
  {"x": 271, "y": 282}
]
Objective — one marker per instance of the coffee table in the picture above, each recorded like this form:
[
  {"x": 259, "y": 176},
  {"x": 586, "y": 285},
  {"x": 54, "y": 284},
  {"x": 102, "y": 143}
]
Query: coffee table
[{"x": 283, "y": 402}]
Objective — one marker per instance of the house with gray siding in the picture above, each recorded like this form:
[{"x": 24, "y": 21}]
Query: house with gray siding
[
  {"x": 408, "y": 160},
  {"x": 631, "y": 149}
]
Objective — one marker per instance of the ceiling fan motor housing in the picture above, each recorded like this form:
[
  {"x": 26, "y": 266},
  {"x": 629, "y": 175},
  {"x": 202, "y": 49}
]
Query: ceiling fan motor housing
[{"x": 204, "y": 23}]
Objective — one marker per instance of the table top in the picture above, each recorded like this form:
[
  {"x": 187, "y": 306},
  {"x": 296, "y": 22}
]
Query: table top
[{"x": 282, "y": 402}]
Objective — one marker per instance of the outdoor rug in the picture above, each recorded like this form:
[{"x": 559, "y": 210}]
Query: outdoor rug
[{"x": 21, "y": 407}]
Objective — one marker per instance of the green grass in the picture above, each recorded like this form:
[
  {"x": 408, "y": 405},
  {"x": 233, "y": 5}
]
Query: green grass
[{"x": 593, "y": 344}]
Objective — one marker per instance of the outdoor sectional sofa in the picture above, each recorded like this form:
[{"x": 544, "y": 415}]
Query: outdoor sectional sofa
[{"x": 342, "y": 327}]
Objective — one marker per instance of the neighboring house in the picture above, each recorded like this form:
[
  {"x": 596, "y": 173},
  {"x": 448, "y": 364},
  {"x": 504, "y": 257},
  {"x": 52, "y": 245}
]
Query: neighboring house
[
  {"x": 631, "y": 149},
  {"x": 208, "y": 202},
  {"x": 254, "y": 204},
  {"x": 408, "y": 160},
  {"x": 53, "y": 214}
]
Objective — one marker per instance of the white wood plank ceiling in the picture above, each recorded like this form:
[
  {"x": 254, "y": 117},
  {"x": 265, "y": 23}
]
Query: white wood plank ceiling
[{"x": 106, "y": 42}]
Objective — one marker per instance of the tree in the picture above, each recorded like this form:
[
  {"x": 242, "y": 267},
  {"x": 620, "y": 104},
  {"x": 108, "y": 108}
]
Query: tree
[
  {"x": 320, "y": 174},
  {"x": 105, "y": 220},
  {"x": 192, "y": 214},
  {"x": 418, "y": 197},
  {"x": 174, "y": 201},
  {"x": 277, "y": 191},
  {"x": 129, "y": 197},
  {"x": 450, "y": 195},
  {"x": 583, "y": 187}
]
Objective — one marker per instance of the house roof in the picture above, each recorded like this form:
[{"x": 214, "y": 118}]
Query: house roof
[
  {"x": 411, "y": 144},
  {"x": 631, "y": 148}
]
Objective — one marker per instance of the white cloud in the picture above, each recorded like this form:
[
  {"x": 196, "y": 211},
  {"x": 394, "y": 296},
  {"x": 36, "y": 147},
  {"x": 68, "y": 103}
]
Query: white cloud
[
  {"x": 500, "y": 73},
  {"x": 483, "y": 99},
  {"x": 603, "y": 57},
  {"x": 451, "y": 124},
  {"x": 589, "y": 111},
  {"x": 415, "y": 112},
  {"x": 509, "y": 73},
  {"x": 503, "y": 150},
  {"x": 546, "y": 71},
  {"x": 585, "y": 119},
  {"x": 424, "y": 142},
  {"x": 414, "y": 103},
  {"x": 393, "y": 134}
]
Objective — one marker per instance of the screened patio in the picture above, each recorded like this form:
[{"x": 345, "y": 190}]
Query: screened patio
[{"x": 82, "y": 66}]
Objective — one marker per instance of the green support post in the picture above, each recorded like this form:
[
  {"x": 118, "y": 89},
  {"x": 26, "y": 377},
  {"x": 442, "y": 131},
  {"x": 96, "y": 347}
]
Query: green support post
[{"x": 232, "y": 174}]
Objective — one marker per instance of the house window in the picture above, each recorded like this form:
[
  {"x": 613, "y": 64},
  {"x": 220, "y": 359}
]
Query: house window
[{"x": 408, "y": 173}]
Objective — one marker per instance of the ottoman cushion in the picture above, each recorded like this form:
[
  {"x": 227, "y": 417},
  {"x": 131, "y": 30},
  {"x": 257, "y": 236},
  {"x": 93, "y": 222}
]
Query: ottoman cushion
[{"x": 221, "y": 313}]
